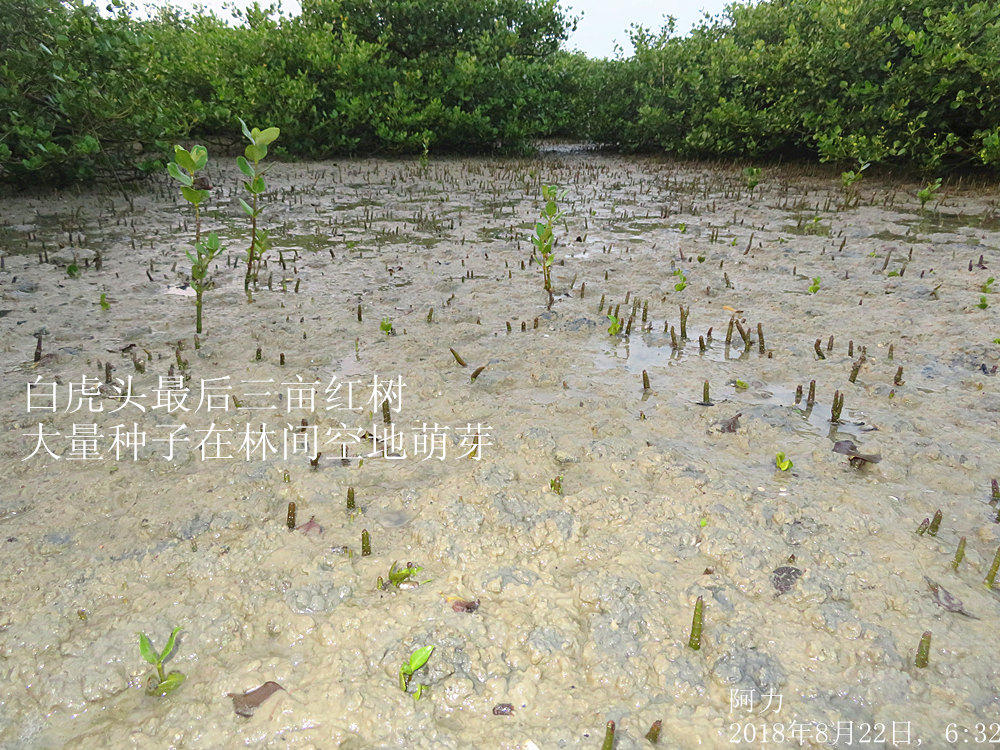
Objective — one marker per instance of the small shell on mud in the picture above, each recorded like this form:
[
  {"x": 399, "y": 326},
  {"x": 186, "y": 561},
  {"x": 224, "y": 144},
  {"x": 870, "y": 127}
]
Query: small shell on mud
[{"x": 503, "y": 709}]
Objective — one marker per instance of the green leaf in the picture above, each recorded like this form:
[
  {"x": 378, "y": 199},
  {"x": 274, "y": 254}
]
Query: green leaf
[
  {"x": 211, "y": 243},
  {"x": 246, "y": 130},
  {"x": 255, "y": 152},
  {"x": 782, "y": 461},
  {"x": 146, "y": 649},
  {"x": 266, "y": 137},
  {"x": 194, "y": 196},
  {"x": 419, "y": 657},
  {"x": 257, "y": 185},
  {"x": 183, "y": 158},
  {"x": 246, "y": 207},
  {"x": 418, "y": 692},
  {"x": 170, "y": 644},
  {"x": 200, "y": 156},
  {"x": 244, "y": 166},
  {"x": 177, "y": 174},
  {"x": 168, "y": 684}
]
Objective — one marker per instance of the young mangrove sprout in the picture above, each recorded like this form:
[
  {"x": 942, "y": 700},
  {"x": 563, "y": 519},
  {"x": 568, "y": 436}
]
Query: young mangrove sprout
[
  {"x": 458, "y": 357},
  {"x": 616, "y": 325},
  {"x": 991, "y": 575},
  {"x": 922, "y": 527},
  {"x": 350, "y": 499},
  {"x": 544, "y": 238},
  {"x": 959, "y": 554},
  {"x": 924, "y": 650},
  {"x": 783, "y": 462},
  {"x": 366, "y": 543},
  {"x": 837, "y": 407},
  {"x": 160, "y": 684},
  {"x": 417, "y": 660},
  {"x": 935, "y": 523},
  {"x": 685, "y": 311},
  {"x": 184, "y": 168},
  {"x": 898, "y": 380},
  {"x": 705, "y": 400},
  {"x": 290, "y": 517},
  {"x": 609, "y": 736},
  {"x": 653, "y": 735},
  {"x": 694, "y": 641},
  {"x": 645, "y": 382},
  {"x": 249, "y": 165}
]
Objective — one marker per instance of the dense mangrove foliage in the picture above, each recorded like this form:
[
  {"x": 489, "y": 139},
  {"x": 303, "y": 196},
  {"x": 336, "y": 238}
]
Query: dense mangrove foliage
[{"x": 88, "y": 91}]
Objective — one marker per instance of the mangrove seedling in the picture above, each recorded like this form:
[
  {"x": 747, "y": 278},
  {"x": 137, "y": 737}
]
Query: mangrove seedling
[
  {"x": 705, "y": 400},
  {"x": 924, "y": 650},
  {"x": 935, "y": 523},
  {"x": 752, "y": 176},
  {"x": 991, "y": 575},
  {"x": 555, "y": 484},
  {"x": 350, "y": 500},
  {"x": 694, "y": 641},
  {"x": 249, "y": 165},
  {"x": 682, "y": 281},
  {"x": 417, "y": 660},
  {"x": 927, "y": 193},
  {"x": 849, "y": 181},
  {"x": 544, "y": 238},
  {"x": 653, "y": 735},
  {"x": 987, "y": 287},
  {"x": 922, "y": 526},
  {"x": 398, "y": 576},
  {"x": 783, "y": 462},
  {"x": 983, "y": 304},
  {"x": 105, "y": 305},
  {"x": 959, "y": 554},
  {"x": 366, "y": 543},
  {"x": 386, "y": 327},
  {"x": 160, "y": 683},
  {"x": 184, "y": 168},
  {"x": 837, "y": 407},
  {"x": 609, "y": 736},
  {"x": 290, "y": 517},
  {"x": 616, "y": 325},
  {"x": 814, "y": 287}
]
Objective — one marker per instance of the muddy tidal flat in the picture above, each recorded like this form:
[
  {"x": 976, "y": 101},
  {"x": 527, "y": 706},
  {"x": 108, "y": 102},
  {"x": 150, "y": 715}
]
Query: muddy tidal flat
[{"x": 562, "y": 495}]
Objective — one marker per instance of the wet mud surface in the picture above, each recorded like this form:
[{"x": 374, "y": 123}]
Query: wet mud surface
[{"x": 598, "y": 512}]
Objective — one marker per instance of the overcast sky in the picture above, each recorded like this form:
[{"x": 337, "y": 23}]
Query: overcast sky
[{"x": 604, "y": 22}]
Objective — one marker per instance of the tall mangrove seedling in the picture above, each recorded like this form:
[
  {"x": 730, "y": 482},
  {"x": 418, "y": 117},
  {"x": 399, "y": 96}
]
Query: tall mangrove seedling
[
  {"x": 249, "y": 165},
  {"x": 194, "y": 189},
  {"x": 544, "y": 237}
]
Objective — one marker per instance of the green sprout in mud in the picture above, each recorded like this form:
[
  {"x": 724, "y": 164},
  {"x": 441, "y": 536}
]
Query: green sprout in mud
[
  {"x": 417, "y": 660},
  {"x": 682, "y": 281},
  {"x": 814, "y": 287},
  {"x": 160, "y": 683},
  {"x": 983, "y": 304},
  {"x": 183, "y": 168},
  {"x": 987, "y": 287},
  {"x": 783, "y": 462},
  {"x": 249, "y": 165},
  {"x": 926, "y": 194},
  {"x": 73, "y": 271},
  {"x": 741, "y": 385},
  {"x": 752, "y": 176},
  {"x": 386, "y": 327},
  {"x": 555, "y": 484},
  {"x": 544, "y": 237},
  {"x": 616, "y": 325},
  {"x": 849, "y": 181},
  {"x": 399, "y": 575},
  {"x": 103, "y": 302},
  {"x": 425, "y": 155}
]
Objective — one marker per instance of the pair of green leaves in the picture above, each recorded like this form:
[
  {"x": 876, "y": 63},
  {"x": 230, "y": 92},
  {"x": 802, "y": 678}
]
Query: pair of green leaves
[
  {"x": 398, "y": 575},
  {"x": 616, "y": 325},
  {"x": 161, "y": 684},
  {"x": 183, "y": 169},
  {"x": 259, "y": 141},
  {"x": 417, "y": 659},
  {"x": 783, "y": 462}
]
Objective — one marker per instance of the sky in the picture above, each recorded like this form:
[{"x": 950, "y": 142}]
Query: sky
[{"x": 603, "y": 24}]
